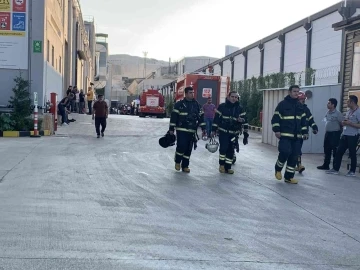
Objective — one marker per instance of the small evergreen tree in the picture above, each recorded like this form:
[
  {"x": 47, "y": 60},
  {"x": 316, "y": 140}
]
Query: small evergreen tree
[{"x": 21, "y": 103}]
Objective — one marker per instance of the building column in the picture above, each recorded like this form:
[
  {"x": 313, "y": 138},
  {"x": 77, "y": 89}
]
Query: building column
[
  {"x": 308, "y": 28},
  {"x": 232, "y": 60},
  {"x": 221, "y": 64},
  {"x": 245, "y": 54},
  {"x": 261, "y": 48},
  {"x": 37, "y": 64},
  {"x": 281, "y": 38}
]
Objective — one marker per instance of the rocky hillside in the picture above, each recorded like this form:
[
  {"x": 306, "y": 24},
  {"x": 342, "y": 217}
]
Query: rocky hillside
[{"x": 133, "y": 66}]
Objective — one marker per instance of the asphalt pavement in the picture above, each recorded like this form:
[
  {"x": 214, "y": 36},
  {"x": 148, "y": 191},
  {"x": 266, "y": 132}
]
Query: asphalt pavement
[{"x": 72, "y": 201}]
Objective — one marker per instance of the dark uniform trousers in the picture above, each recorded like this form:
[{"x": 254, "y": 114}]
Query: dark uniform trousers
[
  {"x": 331, "y": 144},
  {"x": 184, "y": 147},
  {"x": 288, "y": 153},
  {"x": 347, "y": 142},
  {"x": 100, "y": 121},
  {"x": 226, "y": 151}
]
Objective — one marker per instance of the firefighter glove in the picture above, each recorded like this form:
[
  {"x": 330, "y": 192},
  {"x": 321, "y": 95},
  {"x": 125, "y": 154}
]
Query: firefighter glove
[
  {"x": 245, "y": 140},
  {"x": 237, "y": 146}
]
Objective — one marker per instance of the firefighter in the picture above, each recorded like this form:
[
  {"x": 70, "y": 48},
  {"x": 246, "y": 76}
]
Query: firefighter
[
  {"x": 186, "y": 117},
  {"x": 243, "y": 127},
  {"x": 289, "y": 125},
  {"x": 228, "y": 119},
  {"x": 310, "y": 123}
]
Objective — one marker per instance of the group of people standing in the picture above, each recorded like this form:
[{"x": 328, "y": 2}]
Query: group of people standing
[
  {"x": 98, "y": 109},
  {"x": 74, "y": 102},
  {"x": 291, "y": 123}
]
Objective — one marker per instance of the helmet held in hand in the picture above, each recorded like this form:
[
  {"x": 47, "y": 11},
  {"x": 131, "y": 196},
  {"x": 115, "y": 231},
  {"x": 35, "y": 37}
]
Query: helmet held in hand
[{"x": 212, "y": 146}]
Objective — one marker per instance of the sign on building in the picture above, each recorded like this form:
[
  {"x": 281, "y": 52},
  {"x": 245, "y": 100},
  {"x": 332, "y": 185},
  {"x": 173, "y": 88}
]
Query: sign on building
[
  {"x": 37, "y": 46},
  {"x": 13, "y": 34}
]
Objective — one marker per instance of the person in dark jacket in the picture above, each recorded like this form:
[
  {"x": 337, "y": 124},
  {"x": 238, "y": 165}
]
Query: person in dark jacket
[
  {"x": 186, "y": 117},
  {"x": 244, "y": 127},
  {"x": 290, "y": 126},
  {"x": 229, "y": 117},
  {"x": 62, "y": 107},
  {"x": 310, "y": 124}
]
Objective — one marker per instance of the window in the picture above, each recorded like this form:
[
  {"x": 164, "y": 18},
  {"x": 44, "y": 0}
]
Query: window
[
  {"x": 355, "y": 78},
  {"x": 53, "y": 56}
]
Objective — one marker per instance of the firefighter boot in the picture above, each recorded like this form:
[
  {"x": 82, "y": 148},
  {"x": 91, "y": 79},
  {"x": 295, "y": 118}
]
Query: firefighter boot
[
  {"x": 177, "y": 166},
  {"x": 229, "y": 171},
  {"x": 300, "y": 167},
  {"x": 222, "y": 169},
  {"x": 187, "y": 170},
  {"x": 291, "y": 181},
  {"x": 278, "y": 175}
]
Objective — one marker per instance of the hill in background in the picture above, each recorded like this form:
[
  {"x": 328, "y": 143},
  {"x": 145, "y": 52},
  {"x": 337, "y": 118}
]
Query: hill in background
[{"x": 133, "y": 66}]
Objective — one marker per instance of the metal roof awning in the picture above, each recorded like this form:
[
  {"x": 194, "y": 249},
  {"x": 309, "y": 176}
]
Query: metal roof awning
[{"x": 346, "y": 23}]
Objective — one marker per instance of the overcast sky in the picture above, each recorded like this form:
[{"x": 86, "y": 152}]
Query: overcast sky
[{"x": 173, "y": 28}]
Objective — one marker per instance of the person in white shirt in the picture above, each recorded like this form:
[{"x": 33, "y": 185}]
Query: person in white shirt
[{"x": 349, "y": 137}]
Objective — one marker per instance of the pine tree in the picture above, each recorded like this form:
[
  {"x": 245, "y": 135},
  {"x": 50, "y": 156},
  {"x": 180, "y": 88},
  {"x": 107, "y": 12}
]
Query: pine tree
[{"x": 21, "y": 103}]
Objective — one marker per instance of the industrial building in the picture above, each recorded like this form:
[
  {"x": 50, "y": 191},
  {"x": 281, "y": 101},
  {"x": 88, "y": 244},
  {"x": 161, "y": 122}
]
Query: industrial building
[
  {"x": 189, "y": 64},
  {"x": 308, "y": 44},
  {"x": 49, "y": 44}
]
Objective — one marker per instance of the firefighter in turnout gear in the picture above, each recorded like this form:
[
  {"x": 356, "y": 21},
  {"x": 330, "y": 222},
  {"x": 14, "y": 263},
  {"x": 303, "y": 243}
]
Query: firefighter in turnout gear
[
  {"x": 310, "y": 124},
  {"x": 229, "y": 117},
  {"x": 186, "y": 117},
  {"x": 290, "y": 127},
  {"x": 244, "y": 127}
]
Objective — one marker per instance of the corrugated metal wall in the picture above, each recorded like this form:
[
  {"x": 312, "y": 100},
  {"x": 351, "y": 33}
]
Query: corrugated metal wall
[
  {"x": 272, "y": 56},
  {"x": 295, "y": 50},
  {"x": 326, "y": 48},
  {"x": 227, "y": 68},
  {"x": 217, "y": 70},
  {"x": 253, "y": 68},
  {"x": 270, "y": 100},
  {"x": 321, "y": 95},
  {"x": 239, "y": 63}
]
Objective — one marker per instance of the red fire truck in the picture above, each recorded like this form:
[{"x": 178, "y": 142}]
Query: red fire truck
[
  {"x": 205, "y": 86},
  {"x": 152, "y": 103}
]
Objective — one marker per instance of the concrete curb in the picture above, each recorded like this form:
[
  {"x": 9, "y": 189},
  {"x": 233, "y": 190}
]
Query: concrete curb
[
  {"x": 23, "y": 133},
  {"x": 258, "y": 129}
]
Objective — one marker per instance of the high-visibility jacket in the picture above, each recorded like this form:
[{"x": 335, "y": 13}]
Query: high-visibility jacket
[
  {"x": 290, "y": 119},
  {"x": 187, "y": 116},
  {"x": 226, "y": 118},
  {"x": 310, "y": 119}
]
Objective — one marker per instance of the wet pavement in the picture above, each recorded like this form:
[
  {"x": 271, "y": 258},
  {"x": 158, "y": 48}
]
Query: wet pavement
[{"x": 73, "y": 201}]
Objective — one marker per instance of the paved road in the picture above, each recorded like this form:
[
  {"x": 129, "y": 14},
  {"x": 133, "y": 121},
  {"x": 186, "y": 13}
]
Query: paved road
[{"x": 76, "y": 202}]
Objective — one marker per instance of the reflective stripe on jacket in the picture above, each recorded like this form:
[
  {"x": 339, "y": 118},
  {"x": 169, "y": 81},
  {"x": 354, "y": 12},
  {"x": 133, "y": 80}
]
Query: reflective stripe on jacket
[
  {"x": 290, "y": 118},
  {"x": 186, "y": 116}
]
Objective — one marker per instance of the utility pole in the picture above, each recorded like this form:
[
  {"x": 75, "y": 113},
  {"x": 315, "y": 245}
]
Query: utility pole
[{"x": 145, "y": 54}]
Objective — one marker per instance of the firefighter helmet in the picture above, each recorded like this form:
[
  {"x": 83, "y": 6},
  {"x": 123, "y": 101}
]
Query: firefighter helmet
[
  {"x": 212, "y": 146},
  {"x": 301, "y": 95},
  {"x": 167, "y": 140}
]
